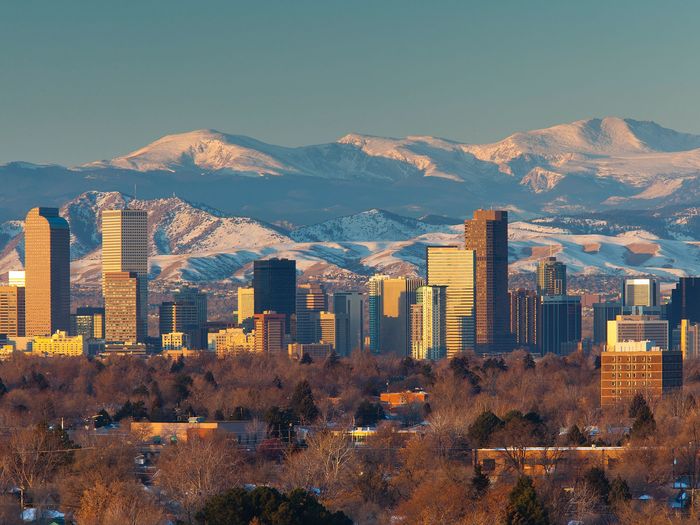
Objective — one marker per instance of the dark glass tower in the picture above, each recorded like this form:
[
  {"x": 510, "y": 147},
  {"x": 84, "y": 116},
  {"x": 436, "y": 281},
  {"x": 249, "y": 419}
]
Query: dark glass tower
[{"x": 275, "y": 285}]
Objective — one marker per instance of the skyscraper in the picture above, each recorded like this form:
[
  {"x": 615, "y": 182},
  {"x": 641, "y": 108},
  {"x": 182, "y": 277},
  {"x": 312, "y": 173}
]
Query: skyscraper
[
  {"x": 125, "y": 249},
  {"x": 179, "y": 317},
  {"x": 685, "y": 302},
  {"x": 642, "y": 292},
  {"x": 429, "y": 323},
  {"x": 560, "y": 323},
  {"x": 311, "y": 301},
  {"x": 602, "y": 313},
  {"x": 122, "y": 307},
  {"x": 198, "y": 333},
  {"x": 352, "y": 304},
  {"x": 551, "y": 277},
  {"x": 454, "y": 268},
  {"x": 88, "y": 321},
  {"x": 487, "y": 235},
  {"x": 269, "y": 333},
  {"x": 390, "y": 308},
  {"x": 275, "y": 284},
  {"x": 246, "y": 304},
  {"x": 334, "y": 330},
  {"x": 47, "y": 269},
  {"x": 12, "y": 315},
  {"x": 524, "y": 310}
]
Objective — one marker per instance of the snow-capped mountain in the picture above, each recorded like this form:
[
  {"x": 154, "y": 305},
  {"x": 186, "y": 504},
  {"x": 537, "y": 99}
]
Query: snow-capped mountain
[{"x": 196, "y": 243}]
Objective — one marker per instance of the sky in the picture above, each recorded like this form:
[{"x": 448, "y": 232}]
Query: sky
[{"x": 85, "y": 80}]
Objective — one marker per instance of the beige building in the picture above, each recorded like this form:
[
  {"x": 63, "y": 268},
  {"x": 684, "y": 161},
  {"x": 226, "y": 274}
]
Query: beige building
[
  {"x": 429, "y": 323},
  {"x": 335, "y": 330},
  {"x": 390, "y": 301},
  {"x": 122, "y": 307},
  {"x": 270, "y": 333},
  {"x": 59, "y": 344},
  {"x": 175, "y": 341},
  {"x": 637, "y": 328},
  {"x": 455, "y": 268},
  {"x": 316, "y": 351},
  {"x": 47, "y": 267},
  {"x": 688, "y": 336},
  {"x": 233, "y": 341},
  {"x": 246, "y": 304},
  {"x": 125, "y": 249},
  {"x": 12, "y": 311}
]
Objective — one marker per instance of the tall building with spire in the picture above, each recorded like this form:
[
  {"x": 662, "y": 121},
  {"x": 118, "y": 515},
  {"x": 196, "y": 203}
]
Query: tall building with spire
[
  {"x": 125, "y": 250},
  {"x": 47, "y": 272},
  {"x": 487, "y": 235}
]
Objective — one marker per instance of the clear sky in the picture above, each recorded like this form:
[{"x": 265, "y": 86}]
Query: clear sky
[{"x": 87, "y": 80}]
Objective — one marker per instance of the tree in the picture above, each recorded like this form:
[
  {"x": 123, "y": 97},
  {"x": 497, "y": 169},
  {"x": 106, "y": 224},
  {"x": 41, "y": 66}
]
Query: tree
[
  {"x": 302, "y": 403},
  {"x": 524, "y": 508},
  {"x": 306, "y": 359},
  {"x": 269, "y": 506},
  {"x": 280, "y": 423},
  {"x": 595, "y": 479},
  {"x": 637, "y": 404},
  {"x": 483, "y": 427},
  {"x": 528, "y": 362},
  {"x": 575, "y": 437},
  {"x": 118, "y": 503},
  {"x": 480, "y": 482},
  {"x": 368, "y": 414},
  {"x": 619, "y": 491},
  {"x": 645, "y": 425},
  {"x": 102, "y": 419}
]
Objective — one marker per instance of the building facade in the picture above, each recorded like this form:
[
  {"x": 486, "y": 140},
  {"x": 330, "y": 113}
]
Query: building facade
[
  {"x": 233, "y": 341},
  {"x": 334, "y": 329},
  {"x": 429, "y": 323},
  {"x": 59, "y": 344},
  {"x": 455, "y": 268},
  {"x": 390, "y": 313},
  {"x": 198, "y": 331},
  {"x": 487, "y": 235},
  {"x": 640, "y": 292},
  {"x": 559, "y": 329},
  {"x": 89, "y": 322},
  {"x": 310, "y": 302},
  {"x": 627, "y": 328},
  {"x": 524, "y": 310},
  {"x": 551, "y": 277},
  {"x": 275, "y": 285},
  {"x": 270, "y": 333},
  {"x": 353, "y": 305},
  {"x": 47, "y": 272},
  {"x": 602, "y": 313},
  {"x": 12, "y": 311},
  {"x": 246, "y": 304},
  {"x": 123, "y": 310}
]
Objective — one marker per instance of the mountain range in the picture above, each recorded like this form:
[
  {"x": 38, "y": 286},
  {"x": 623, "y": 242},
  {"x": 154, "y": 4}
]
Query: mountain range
[
  {"x": 593, "y": 165},
  {"x": 191, "y": 242}
]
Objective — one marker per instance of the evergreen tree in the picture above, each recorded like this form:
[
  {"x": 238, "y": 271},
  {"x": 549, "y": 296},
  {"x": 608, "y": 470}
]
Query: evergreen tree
[
  {"x": 177, "y": 365},
  {"x": 575, "y": 437},
  {"x": 619, "y": 491},
  {"x": 524, "y": 508},
  {"x": 645, "y": 424},
  {"x": 528, "y": 362},
  {"x": 302, "y": 403},
  {"x": 483, "y": 427},
  {"x": 368, "y": 414},
  {"x": 597, "y": 481},
  {"x": 3, "y": 388},
  {"x": 306, "y": 359},
  {"x": 637, "y": 404},
  {"x": 480, "y": 482}
]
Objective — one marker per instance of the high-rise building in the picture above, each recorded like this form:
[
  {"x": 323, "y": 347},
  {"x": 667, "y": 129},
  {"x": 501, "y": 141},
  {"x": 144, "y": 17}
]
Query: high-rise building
[
  {"x": 602, "y": 313},
  {"x": 47, "y": 269},
  {"x": 175, "y": 341},
  {"x": 125, "y": 249},
  {"x": 638, "y": 366},
  {"x": 17, "y": 278},
  {"x": 454, "y": 268},
  {"x": 559, "y": 324},
  {"x": 270, "y": 333},
  {"x": 626, "y": 328},
  {"x": 685, "y": 302},
  {"x": 88, "y": 321},
  {"x": 246, "y": 304},
  {"x": 275, "y": 285},
  {"x": 123, "y": 307},
  {"x": 352, "y": 304},
  {"x": 551, "y": 277},
  {"x": 688, "y": 336},
  {"x": 179, "y": 317},
  {"x": 311, "y": 301},
  {"x": 524, "y": 308},
  {"x": 198, "y": 334},
  {"x": 429, "y": 323},
  {"x": 390, "y": 301},
  {"x": 640, "y": 292},
  {"x": 487, "y": 235},
  {"x": 12, "y": 315},
  {"x": 334, "y": 329}
]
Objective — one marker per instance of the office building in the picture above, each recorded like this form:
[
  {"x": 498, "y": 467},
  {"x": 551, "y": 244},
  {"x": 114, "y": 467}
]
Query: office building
[
  {"x": 454, "y": 268},
  {"x": 198, "y": 333},
  {"x": 59, "y": 344},
  {"x": 602, "y": 313},
  {"x": 47, "y": 272},
  {"x": 270, "y": 333},
  {"x": 640, "y": 292},
  {"x": 352, "y": 304},
  {"x": 12, "y": 311},
  {"x": 334, "y": 329},
  {"x": 123, "y": 307},
  {"x": 638, "y": 366},
  {"x": 627, "y": 328},
  {"x": 246, "y": 304},
  {"x": 524, "y": 308},
  {"x": 559, "y": 327},
  {"x": 275, "y": 285},
  {"x": 89, "y": 322},
  {"x": 390, "y": 301},
  {"x": 687, "y": 335},
  {"x": 316, "y": 351},
  {"x": 233, "y": 341},
  {"x": 311, "y": 301},
  {"x": 487, "y": 235},
  {"x": 17, "y": 278},
  {"x": 125, "y": 250},
  {"x": 181, "y": 317},
  {"x": 175, "y": 341},
  {"x": 685, "y": 302},
  {"x": 429, "y": 329},
  {"x": 551, "y": 277}
]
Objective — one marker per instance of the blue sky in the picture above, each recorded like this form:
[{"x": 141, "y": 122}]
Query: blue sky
[{"x": 86, "y": 80}]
